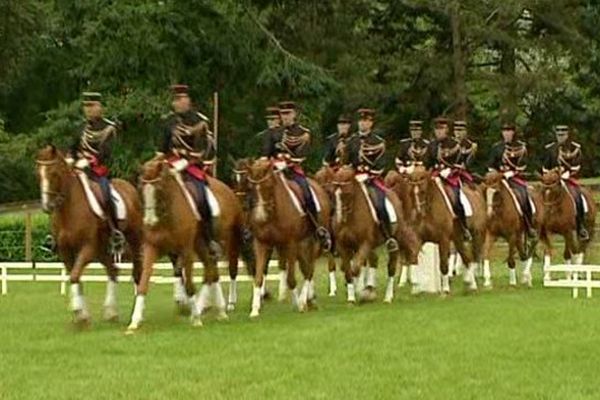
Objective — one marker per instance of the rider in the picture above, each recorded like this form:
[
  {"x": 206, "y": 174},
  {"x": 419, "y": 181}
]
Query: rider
[
  {"x": 413, "y": 150},
  {"x": 273, "y": 122},
  {"x": 445, "y": 158},
  {"x": 468, "y": 149},
  {"x": 190, "y": 147},
  {"x": 509, "y": 156},
  {"x": 565, "y": 156},
  {"x": 366, "y": 152},
  {"x": 90, "y": 153},
  {"x": 337, "y": 143},
  {"x": 288, "y": 146}
]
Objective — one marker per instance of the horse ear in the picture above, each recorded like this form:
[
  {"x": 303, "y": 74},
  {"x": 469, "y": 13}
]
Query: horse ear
[{"x": 52, "y": 148}]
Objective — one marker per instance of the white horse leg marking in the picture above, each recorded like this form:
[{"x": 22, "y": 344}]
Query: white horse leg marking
[
  {"x": 219, "y": 300},
  {"x": 138, "y": 312},
  {"x": 527, "y": 279},
  {"x": 260, "y": 214},
  {"x": 351, "y": 293},
  {"x": 149, "y": 193},
  {"x": 389, "y": 291},
  {"x": 255, "y": 302},
  {"x": 283, "y": 288},
  {"x": 332, "y": 284},
  {"x": 547, "y": 263},
  {"x": 487, "y": 274},
  {"x": 179, "y": 293},
  {"x": 371, "y": 277},
  {"x": 232, "y": 298},
  {"x": 512, "y": 276},
  {"x": 489, "y": 197},
  {"x": 338, "y": 206},
  {"x": 110, "y": 301}
]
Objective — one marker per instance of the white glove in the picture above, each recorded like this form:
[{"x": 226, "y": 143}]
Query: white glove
[
  {"x": 280, "y": 165},
  {"x": 180, "y": 164},
  {"x": 410, "y": 169},
  {"x": 361, "y": 177},
  {"x": 565, "y": 175},
  {"x": 70, "y": 161},
  {"x": 445, "y": 173},
  {"x": 82, "y": 163},
  {"x": 509, "y": 174},
  {"x": 402, "y": 169}
]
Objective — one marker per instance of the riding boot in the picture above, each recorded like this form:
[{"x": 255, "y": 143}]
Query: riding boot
[
  {"x": 390, "y": 241},
  {"x": 582, "y": 232},
  {"x": 116, "y": 241},
  {"x": 465, "y": 228},
  {"x": 322, "y": 233},
  {"x": 531, "y": 231},
  {"x": 209, "y": 229}
]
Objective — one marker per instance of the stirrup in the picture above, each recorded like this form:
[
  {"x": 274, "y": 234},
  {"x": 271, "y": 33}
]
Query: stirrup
[
  {"x": 583, "y": 234},
  {"x": 392, "y": 245},
  {"x": 49, "y": 244},
  {"x": 532, "y": 233},
  {"x": 247, "y": 235},
  {"x": 324, "y": 237},
  {"x": 116, "y": 242},
  {"x": 467, "y": 235}
]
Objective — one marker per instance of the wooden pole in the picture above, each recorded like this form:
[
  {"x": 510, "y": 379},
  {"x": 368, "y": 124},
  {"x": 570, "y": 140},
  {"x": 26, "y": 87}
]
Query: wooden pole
[
  {"x": 28, "y": 237},
  {"x": 216, "y": 129}
]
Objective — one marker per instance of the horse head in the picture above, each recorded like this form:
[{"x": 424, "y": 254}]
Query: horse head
[
  {"x": 52, "y": 170},
  {"x": 261, "y": 180},
  {"x": 324, "y": 177},
  {"x": 493, "y": 179},
  {"x": 240, "y": 175},
  {"x": 419, "y": 181},
  {"x": 551, "y": 187},
  {"x": 151, "y": 176},
  {"x": 343, "y": 183}
]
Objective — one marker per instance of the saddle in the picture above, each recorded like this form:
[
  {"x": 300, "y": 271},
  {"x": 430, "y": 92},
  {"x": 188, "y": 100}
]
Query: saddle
[
  {"x": 297, "y": 195},
  {"x": 448, "y": 190},
  {"x": 369, "y": 189},
  {"x": 96, "y": 201},
  {"x": 519, "y": 192},
  {"x": 191, "y": 194}
]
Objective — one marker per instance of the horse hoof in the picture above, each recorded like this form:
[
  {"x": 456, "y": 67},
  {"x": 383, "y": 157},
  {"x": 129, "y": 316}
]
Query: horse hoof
[
  {"x": 81, "y": 317},
  {"x": 368, "y": 295},
  {"x": 312, "y": 305},
  {"x": 231, "y": 307},
  {"x": 111, "y": 314},
  {"x": 302, "y": 307},
  {"x": 254, "y": 313},
  {"x": 132, "y": 328},
  {"x": 197, "y": 322},
  {"x": 332, "y": 294},
  {"x": 222, "y": 316},
  {"x": 387, "y": 300}
]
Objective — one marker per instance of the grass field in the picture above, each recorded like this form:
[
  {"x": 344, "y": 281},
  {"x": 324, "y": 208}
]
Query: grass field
[{"x": 501, "y": 344}]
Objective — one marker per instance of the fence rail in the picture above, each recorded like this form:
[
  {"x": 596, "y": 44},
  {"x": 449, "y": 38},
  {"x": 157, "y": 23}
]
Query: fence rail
[
  {"x": 62, "y": 276},
  {"x": 571, "y": 279}
]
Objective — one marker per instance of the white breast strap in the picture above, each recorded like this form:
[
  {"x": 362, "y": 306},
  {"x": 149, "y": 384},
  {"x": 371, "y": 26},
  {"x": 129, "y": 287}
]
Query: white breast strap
[
  {"x": 186, "y": 194},
  {"x": 365, "y": 191},
  {"x": 291, "y": 193},
  {"x": 514, "y": 198},
  {"x": 440, "y": 186}
]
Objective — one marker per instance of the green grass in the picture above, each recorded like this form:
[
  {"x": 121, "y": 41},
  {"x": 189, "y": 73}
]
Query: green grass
[{"x": 501, "y": 344}]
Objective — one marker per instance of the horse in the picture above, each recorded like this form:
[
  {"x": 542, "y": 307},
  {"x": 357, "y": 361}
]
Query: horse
[
  {"x": 358, "y": 234},
  {"x": 436, "y": 223},
  {"x": 560, "y": 219},
  {"x": 276, "y": 222},
  {"x": 80, "y": 235},
  {"x": 171, "y": 226},
  {"x": 504, "y": 220}
]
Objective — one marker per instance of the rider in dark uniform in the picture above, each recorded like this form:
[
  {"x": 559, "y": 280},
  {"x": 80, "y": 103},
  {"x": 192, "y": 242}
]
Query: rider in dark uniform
[
  {"x": 468, "y": 148},
  {"x": 190, "y": 149},
  {"x": 290, "y": 144},
  {"x": 509, "y": 156},
  {"x": 445, "y": 160},
  {"x": 273, "y": 124},
  {"x": 91, "y": 152},
  {"x": 564, "y": 155},
  {"x": 412, "y": 151},
  {"x": 337, "y": 143},
  {"x": 366, "y": 153}
]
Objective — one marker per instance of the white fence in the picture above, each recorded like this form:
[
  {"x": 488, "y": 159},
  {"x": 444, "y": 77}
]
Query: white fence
[
  {"x": 42, "y": 272},
  {"x": 574, "y": 277}
]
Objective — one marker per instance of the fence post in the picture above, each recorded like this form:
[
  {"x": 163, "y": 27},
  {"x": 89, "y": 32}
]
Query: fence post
[
  {"x": 63, "y": 281},
  {"x": 588, "y": 278},
  {"x": 4, "y": 280},
  {"x": 28, "y": 237}
]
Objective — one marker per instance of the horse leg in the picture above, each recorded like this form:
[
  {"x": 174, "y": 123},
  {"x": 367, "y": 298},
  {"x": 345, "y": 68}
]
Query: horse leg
[
  {"x": 306, "y": 259},
  {"x": 469, "y": 272},
  {"x": 111, "y": 312},
  {"x": 571, "y": 257},
  {"x": 78, "y": 306},
  {"x": 389, "y": 290},
  {"x": 331, "y": 269},
  {"x": 346, "y": 265},
  {"x": 512, "y": 246},
  {"x": 133, "y": 238},
  {"x": 179, "y": 294},
  {"x": 527, "y": 261},
  {"x": 232, "y": 247},
  {"x": 261, "y": 252},
  {"x": 298, "y": 299},
  {"x": 444, "y": 249},
  {"x": 548, "y": 250},
  {"x": 211, "y": 288},
  {"x": 365, "y": 251},
  {"x": 488, "y": 242},
  {"x": 149, "y": 256}
]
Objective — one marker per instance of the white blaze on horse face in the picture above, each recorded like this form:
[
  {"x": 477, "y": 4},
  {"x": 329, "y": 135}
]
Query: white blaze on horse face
[
  {"x": 149, "y": 193},
  {"x": 260, "y": 214},
  {"x": 238, "y": 178},
  {"x": 338, "y": 205},
  {"x": 489, "y": 197},
  {"x": 44, "y": 186},
  {"x": 417, "y": 199}
]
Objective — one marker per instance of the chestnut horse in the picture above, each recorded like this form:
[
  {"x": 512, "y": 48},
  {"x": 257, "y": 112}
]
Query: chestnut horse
[
  {"x": 80, "y": 235},
  {"x": 358, "y": 234},
  {"x": 435, "y": 223},
  {"x": 171, "y": 227},
  {"x": 559, "y": 219},
  {"x": 505, "y": 221},
  {"x": 277, "y": 223}
]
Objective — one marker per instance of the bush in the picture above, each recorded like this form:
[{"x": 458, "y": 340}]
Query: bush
[{"x": 12, "y": 238}]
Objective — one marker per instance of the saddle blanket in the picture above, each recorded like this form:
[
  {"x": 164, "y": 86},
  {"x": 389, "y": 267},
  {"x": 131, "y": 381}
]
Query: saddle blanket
[
  {"x": 213, "y": 203},
  {"x": 296, "y": 200},
  {"x": 389, "y": 207},
  {"x": 584, "y": 200},
  {"x": 462, "y": 197},
  {"x": 93, "y": 202}
]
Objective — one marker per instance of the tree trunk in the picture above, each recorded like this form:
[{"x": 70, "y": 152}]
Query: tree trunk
[{"x": 460, "y": 90}]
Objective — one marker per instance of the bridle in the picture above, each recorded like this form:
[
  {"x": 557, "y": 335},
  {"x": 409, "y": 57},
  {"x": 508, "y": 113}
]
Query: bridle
[{"x": 57, "y": 195}]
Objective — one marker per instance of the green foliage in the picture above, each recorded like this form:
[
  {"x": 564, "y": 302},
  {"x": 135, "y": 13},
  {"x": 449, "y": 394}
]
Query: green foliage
[
  {"x": 12, "y": 238},
  {"x": 535, "y": 62}
]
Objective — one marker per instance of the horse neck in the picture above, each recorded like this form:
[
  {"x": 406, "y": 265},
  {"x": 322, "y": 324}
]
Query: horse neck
[
  {"x": 349, "y": 215},
  {"x": 169, "y": 201},
  {"x": 73, "y": 208}
]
